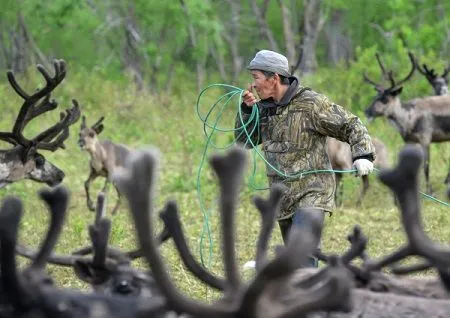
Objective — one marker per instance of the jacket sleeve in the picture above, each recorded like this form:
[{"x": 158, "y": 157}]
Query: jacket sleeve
[
  {"x": 245, "y": 127},
  {"x": 335, "y": 121}
]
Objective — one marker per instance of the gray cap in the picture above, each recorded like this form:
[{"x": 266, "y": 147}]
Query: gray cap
[{"x": 271, "y": 61}]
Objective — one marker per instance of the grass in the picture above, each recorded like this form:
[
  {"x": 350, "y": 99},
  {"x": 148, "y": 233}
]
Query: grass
[{"x": 171, "y": 124}]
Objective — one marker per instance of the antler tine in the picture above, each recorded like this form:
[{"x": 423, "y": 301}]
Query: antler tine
[
  {"x": 83, "y": 122},
  {"x": 380, "y": 63},
  {"x": 99, "y": 234},
  {"x": 100, "y": 209},
  {"x": 137, "y": 186},
  {"x": 300, "y": 244},
  {"x": 417, "y": 65},
  {"x": 172, "y": 223},
  {"x": 8, "y": 137},
  {"x": 404, "y": 270},
  {"x": 98, "y": 122},
  {"x": 57, "y": 201},
  {"x": 358, "y": 246},
  {"x": 230, "y": 171},
  {"x": 24, "y": 115},
  {"x": 62, "y": 260},
  {"x": 368, "y": 80},
  {"x": 46, "y": 139},
  {"x": 404, "y": 182},
  {"x": 411, "y": 58},
  {"x": 446, "y": 71},
  {"x": 10, "y": 215},
  {"x": 391, "y": 80},
  {"x": 12, "y": 80},
  {"x": 52, "y": 82},
  {"x": 268, "y": 210}
]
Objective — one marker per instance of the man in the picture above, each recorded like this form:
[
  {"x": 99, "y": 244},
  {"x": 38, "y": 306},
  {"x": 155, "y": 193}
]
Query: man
[{"x": 294, "y": 122}]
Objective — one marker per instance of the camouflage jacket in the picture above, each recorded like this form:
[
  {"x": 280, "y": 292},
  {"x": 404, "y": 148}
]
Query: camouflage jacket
[{"x": 293, "y": 138}]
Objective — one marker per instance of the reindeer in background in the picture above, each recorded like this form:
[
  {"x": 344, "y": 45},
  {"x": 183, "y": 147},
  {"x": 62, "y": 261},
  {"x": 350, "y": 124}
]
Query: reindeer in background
[
  {"x": 420, "y": 120},
  {"x": 340, "y": 156},
  {"x": 23, "y": 161},
  {"x": 440, "y": 87},
  {"x": 438, "y": 82},
  {"x": 106, "y": 158}
]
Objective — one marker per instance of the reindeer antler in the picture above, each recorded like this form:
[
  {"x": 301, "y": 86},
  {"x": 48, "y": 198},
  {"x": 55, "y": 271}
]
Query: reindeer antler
[
  {"x": 388, "y": 74},
  {"x": 404, "y": 182},
  {"x": 37, "y": 104}
]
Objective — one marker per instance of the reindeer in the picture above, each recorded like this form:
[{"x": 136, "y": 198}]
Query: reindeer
[
  {"x": 108, "y": 270},
  {"x": 341, "y": 159},
  {"x": 279, "y": 289},
  {"x": 440, "y": 87},
  {"x": 106, "y": 158},
  {"x": 438, "y": 82},
  {"x": 23, "y": 161},
  {"x": 420, "y": 120}
]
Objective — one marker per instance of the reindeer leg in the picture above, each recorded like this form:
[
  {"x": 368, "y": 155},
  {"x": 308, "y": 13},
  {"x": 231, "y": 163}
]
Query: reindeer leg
[
  {"x": 365, "y": 187},
  {"x": 119, "y": 199},
  {"x": 339, "y": 192},
  {"x": 105, "y": 186},
  {"x": 92, "y": 176},
  {"x": 426, "y": 167}
]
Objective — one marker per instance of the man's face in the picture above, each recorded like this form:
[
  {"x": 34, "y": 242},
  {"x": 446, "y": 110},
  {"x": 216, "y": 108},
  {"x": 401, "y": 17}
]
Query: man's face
[{"x": 264, "y": 86}]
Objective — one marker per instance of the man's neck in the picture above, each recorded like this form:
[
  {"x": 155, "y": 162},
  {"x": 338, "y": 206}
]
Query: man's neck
[{"x": 280, "y": 92}]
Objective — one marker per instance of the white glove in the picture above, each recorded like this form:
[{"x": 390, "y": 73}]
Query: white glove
[{"x": 363, "y": 166}]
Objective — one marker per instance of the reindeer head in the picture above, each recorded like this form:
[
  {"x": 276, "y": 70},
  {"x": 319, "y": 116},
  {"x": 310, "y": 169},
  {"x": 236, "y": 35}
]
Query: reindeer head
[
  {"x": 34, "y": 166},
  {"x": 438, "y": 82},
  {"x": 88, "y": 136},
  {"x": 24, "y": 161},
  {"x": 387, "y": 98}
]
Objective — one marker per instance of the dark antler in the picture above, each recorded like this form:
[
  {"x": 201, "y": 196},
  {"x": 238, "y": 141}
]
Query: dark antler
[
  {"x": 411, "y": 72},
  {"x": 98, "y": 123},
  {"x": 29, "y": 110},
  {"x": 137, "y": 186},
  {"x": 446, "y": 71},
  {"x": 54, "y": 137},
  {"x": 403, "y": 181},
  {"x": 36, "y": 104},
  {"x": 230, "y": 171},
  {"x": 172, "y": 222},
  {"x": 268, "y": 210}
]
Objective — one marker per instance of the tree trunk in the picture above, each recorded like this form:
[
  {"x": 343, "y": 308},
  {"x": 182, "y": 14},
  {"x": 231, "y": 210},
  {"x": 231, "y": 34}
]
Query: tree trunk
[
  {"x": 339, "y": 45},
  {"x": 132, "y": 58},
  {"x": 289, "y": 40},
  {"x": 218, "y": 58},
  {"x": 18, "y": 49},
  {"x": 314, "y": 20},
  {"x": 200, "y": 64},
  {"x": 264, "y": 28},
  {"x": 231, "y": 35}
]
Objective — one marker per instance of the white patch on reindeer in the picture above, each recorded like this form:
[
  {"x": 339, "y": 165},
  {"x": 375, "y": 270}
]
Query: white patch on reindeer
[{"x": 4, "y": 171}]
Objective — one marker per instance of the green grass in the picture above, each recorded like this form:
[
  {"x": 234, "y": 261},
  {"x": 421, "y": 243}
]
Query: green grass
[{"x": 171, "y": 124}]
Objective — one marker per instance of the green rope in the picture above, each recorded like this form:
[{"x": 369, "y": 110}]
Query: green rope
[{"x": 222, "y": 102}]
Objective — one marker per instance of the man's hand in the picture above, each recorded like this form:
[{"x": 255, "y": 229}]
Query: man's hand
[
  {"x": 248, "y": 98},
  {"x": 363, "y": 166}
]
